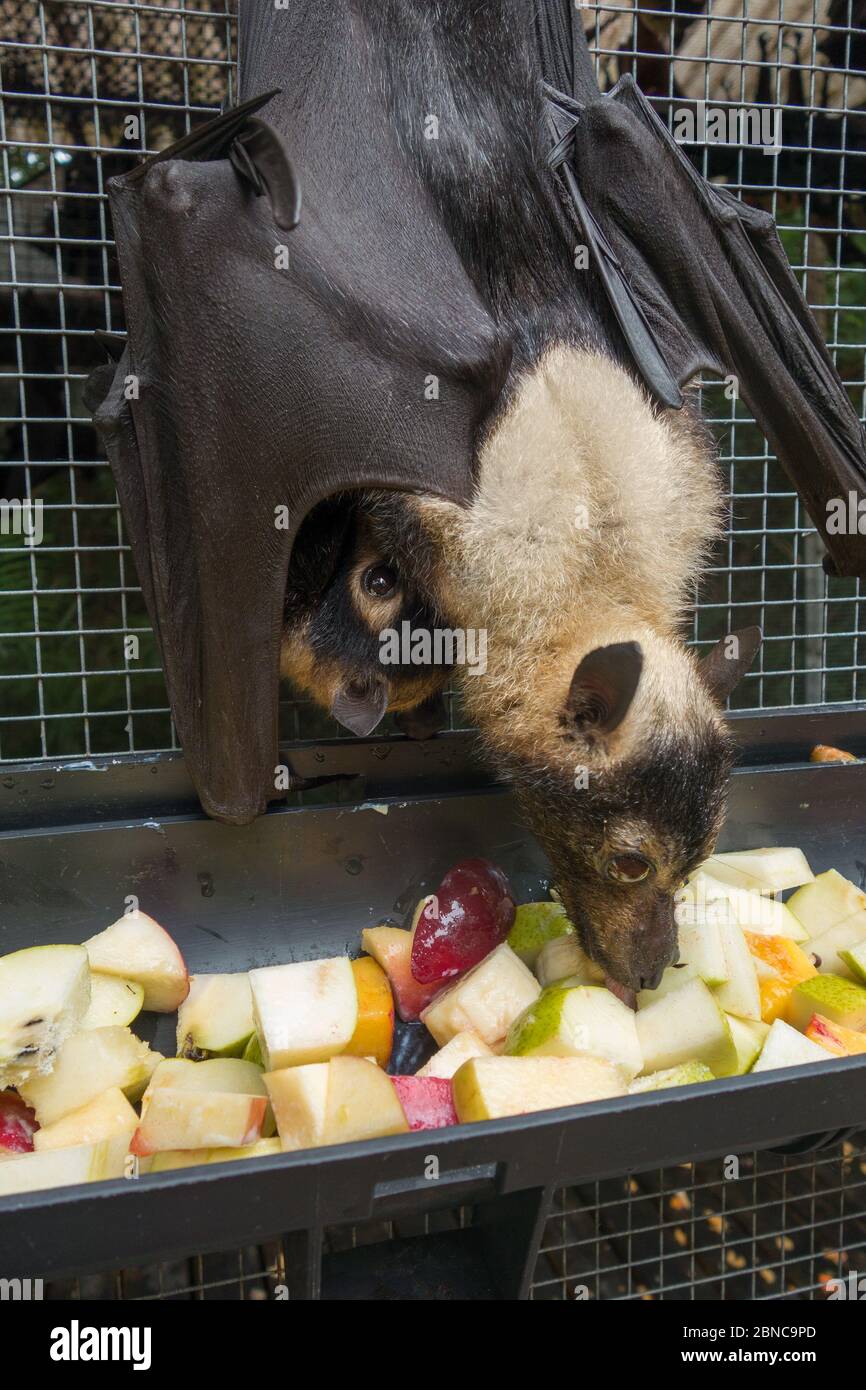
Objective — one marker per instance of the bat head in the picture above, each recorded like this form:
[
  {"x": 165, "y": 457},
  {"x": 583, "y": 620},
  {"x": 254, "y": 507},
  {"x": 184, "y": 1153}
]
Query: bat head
[
  {"x": 633, "y": 798},
  {"x": 347, "y": 596}
]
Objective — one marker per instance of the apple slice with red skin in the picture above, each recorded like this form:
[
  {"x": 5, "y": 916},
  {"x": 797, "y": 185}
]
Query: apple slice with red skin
[
  {"x": 391, "y": 947},
  {"x": 17, "y": 1124},
  {"x": 468, "y": 916},
  {"x": 426, "y": 1100}
]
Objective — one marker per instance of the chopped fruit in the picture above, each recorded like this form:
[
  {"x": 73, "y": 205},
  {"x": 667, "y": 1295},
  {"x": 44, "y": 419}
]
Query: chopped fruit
[
  {"x": 17, "y": 1125},
  {"x": 535, "y": 924},
  {"x": 586, "y": 1021},
  {"x": 44, "y": 995},
  {"x": 215, "y": 1074},
  {"x": 190, "y": 1158},
  {"x": 564, "y": 958},
  {"x": 762, "y": 870},
  {"x": 187, "y": 1119},
  {"x": 823, "y": 753},
  {"x": 855, "y": 959},
  {"x": 374, "y": 1031},
  {"x": 470, "y": 913},
  {"x": 488, "y": 1088},
  {"x": 749, "y": 1036},
  {"x": 701, "y": 947},
  {"x": 449, "y": 1058},
  {"x": 392, "y": 948},
  {"x": 362, "y": 1102},
  {"x": 306, "y": 1012},
  {"x": 829, "y": 900},
  {"x": 828, "y": 947},
  {"x": 299, "y": 1096},
  {"x": 785, "y": 1047},
  {"x": 216, "y": 1018},
  {"x": 674, "y": 977},
  {"x": 487, "y": 1000},
  {"x": 87, "y": 1064},
  {"x": 107, "y": 1116},
  {"x": 842, "y": 1001},
  {"x": 135, "y": 947},
  {"x": 112, "y": 1001},
  {"x": 60, "y": 1167},
  {"x": 789, "y": 965},
  {"x": 426, "y": 1100},
  {"x": 844, "y": 1042},
  {"x": 686, "y": 1026},
  {"x": 740, "y": 994},
  {"x": 705, "y": 897},
  {"x": 253, "y": 1051},
  {"x": 686, "y": 1074}
]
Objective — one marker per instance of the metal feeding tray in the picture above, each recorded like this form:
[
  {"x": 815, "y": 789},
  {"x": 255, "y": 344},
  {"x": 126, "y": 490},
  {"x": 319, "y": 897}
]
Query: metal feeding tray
[{"x": 303, "y": 881}]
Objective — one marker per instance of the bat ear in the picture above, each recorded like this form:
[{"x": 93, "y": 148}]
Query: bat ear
[
  {"x": 728, "y": 661},
  {"x": 260, "y": 157},
  {"x": 360, "y": 705},
  {"x": 603, "y": 687}
]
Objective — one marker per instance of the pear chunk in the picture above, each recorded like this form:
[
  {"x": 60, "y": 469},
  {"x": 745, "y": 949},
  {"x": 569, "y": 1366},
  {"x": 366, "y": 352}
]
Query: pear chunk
[
  {"x": 89, "y": 1063},
  {"x": 564, "y": 958},
  {"x": 842, "y": 1001},
  {"x": 585, "y": 1021},
  {"x": 44, "y": 995},
  {"x": 535, "y": 924},
  {"x": 832, "y": 945},
  {"x": 785, "y": 1047},
  {"x": 486, "y": 1000},
  {"x": 686, "y": 1074},
  {"x": 112, "y": 1001},
  {"x": 830, "y": 899},
  {"x": 762, "y": 870},
  {"x": 488, "y": 1088},
  {"x": 451, "y": 1057},
  {"x": 686, "y": 1026}
]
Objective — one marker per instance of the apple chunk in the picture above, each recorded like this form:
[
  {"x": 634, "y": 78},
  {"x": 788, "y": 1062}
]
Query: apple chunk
[
  {"x": 686, "y": 1026},
  {"x": 785, "y": 1047},
  {"x": 488, "y": 1088},
  {"x": 306, "y": 1012},
  {"x": 185, "y": 1119},
  {"x": 44, "y": 995},
  {"x": 61, "y": 1167},
  {"x": 391, "y": 947},
  {"x": 449, "y": 1058},
  {"x": 843, "y": 1042},
  {"x": 135, "y": 947},
  {"x": 107, "y": 1116},
  {"x": 216, "y": 1018},
  {"x": 826, "y": 902},
  {"x": 87, "y": 1064},
  {"x": 112, "y": 1001},
  {"x": 426, "y": 1100},
  {"x": 17, "y": 1125},
  {"x": 168, "y": 1159},
  {"x": 299, "y": 1096},
  {"x": 362, "y": 1102},
  {"x": 486, "y": 1000}
]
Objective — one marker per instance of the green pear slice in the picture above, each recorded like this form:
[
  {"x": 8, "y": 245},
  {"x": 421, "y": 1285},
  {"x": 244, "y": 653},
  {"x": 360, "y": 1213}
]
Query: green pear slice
[
  {"x": 586, "y": 1021},
  {"x": 686, "y": 1074},
  {"x": 828, "y": 947},
  {"x": 112, "y": 1001},
  {"x": 488, "y": 1088},
  {"x": 701, "y": 947},
  {"x": 740, "y": 994},
  {"x": 44, "y": 995},
  {"x": 762, "y": 870},
  {"x": 840, "y": 1000},
  {"x": 749, "y": 1036},
  {"x": 686, "y": 1026},
  {"x": 534, "y": 925},
  {"x": 785, "y": 1047},
  {"x": 830, "y": 899},
  {"x": 565, "y": 959},
  {"x": 304, "y": 1012},
  {"x": 855, "y": 959},
  {"x": 60, "y": 1167},
  {"x": 705, "y": 897},
  {"x": 87, "y": 1064},
  {"x": 106, "y": 1117},
  {"x": 216, "y": 1018}
]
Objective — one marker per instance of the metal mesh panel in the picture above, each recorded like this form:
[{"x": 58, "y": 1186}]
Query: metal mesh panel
[
  {"x": 771, "y": 1228},
  {"x": 72, "y": 77}
]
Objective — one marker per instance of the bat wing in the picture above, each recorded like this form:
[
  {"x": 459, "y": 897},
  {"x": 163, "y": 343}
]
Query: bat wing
[
  {"x": 699, "y": 282},
  {"x": 268, "y": 369}
]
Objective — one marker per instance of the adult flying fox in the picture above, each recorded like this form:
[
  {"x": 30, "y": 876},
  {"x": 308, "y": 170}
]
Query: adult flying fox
[{"x": 410, "y": 332}]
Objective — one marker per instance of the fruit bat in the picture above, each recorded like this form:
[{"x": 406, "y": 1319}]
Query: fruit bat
[{"x": 304, "y": 319}]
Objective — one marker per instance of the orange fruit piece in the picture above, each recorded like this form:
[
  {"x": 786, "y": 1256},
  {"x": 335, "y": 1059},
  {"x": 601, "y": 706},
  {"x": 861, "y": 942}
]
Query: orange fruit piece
[
  {"x": 374, "y": 1032},
  {"x": 791, "y": 964},
  {"x": 844, "y": 1042}
]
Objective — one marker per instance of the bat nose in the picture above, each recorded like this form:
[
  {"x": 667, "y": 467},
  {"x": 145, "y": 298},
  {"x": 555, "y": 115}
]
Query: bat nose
[{"x": 652, "y": 981}]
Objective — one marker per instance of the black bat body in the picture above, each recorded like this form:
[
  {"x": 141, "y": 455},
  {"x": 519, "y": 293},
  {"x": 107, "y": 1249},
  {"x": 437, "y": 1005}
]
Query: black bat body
[{"x": 339, "y": 287}]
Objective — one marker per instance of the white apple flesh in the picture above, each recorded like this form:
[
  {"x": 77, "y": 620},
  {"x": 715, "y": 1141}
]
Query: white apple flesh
[
  {"x": 216, "y": 1018},
  {"x": 135, "y": 947},
  {"x": 87, "y": 1064},
  {"x": 186, "y": 1119},
  {"x": 106, "y": 1117},
  {"x": 112, "y": 1001},
  {"x": 305, "y": 1012},
  {"x": 44, "y": 995}
]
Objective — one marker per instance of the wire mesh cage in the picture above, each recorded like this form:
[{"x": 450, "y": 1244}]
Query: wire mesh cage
[
  {"x": 88, "y": 88},
  {"x": 85, "y": 90}
]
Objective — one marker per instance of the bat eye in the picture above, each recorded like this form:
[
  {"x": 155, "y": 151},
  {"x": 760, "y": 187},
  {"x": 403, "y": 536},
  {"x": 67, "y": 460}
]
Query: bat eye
[
  {"x": 380, "y": 581},
  {"x": 628, "y": 868}
]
